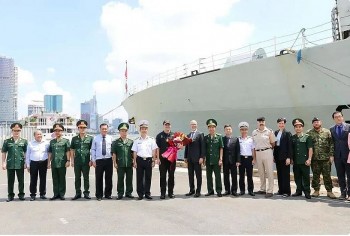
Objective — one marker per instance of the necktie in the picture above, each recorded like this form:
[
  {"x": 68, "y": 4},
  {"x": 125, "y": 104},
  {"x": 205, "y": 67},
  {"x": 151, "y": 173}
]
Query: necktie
[
  {"x": 104, "y": 146},
  {"x": 339, "y": 131},
  {"x": 192, "y": 134},
  {"x": 228, "y": 141}
]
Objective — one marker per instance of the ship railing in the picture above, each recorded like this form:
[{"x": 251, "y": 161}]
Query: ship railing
[{"x": 272, "y": 47}]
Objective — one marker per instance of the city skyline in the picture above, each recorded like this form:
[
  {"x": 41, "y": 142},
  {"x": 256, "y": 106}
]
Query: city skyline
[{"x": 80, "y": 47}]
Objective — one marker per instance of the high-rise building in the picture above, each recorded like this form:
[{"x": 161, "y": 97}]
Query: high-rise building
[
  {"x": 8, "y": 89},
  {"x": 53, "y": 103},
  {"x": 88, "y": 111}
]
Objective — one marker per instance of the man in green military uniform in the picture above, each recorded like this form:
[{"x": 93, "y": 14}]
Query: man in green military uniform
[
  {"x": 13, "y": 157},
  {"x": 302, "y": 154},
  {"x": 58, "y": 160},
  {"x": 322, "y": 158},
  {"x": 123, "y": 161},
  {"x": 80, "y": 159},
  {"x": 213, "y": 159}
]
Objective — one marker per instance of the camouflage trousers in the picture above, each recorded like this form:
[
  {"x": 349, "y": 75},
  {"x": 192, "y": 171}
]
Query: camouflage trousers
[{"x": 321, "y": 167}]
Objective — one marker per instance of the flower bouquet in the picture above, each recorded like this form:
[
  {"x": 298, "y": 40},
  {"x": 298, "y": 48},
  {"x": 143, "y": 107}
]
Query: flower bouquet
[{"x": 176, "y": 142}]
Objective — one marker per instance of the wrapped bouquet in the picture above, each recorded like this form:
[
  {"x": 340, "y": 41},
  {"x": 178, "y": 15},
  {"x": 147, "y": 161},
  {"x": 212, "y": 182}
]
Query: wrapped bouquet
[{"x": 176, "y": 142}]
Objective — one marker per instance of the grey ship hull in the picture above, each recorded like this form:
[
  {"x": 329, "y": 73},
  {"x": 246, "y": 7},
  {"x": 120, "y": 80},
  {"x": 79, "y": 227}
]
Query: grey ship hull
[{"x": 272, "y": 87}]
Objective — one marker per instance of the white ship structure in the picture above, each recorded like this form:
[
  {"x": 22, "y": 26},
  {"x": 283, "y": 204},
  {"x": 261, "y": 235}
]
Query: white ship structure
[
  {"x": 45, "y": 121},
  {"x": 305, "y": 74}
]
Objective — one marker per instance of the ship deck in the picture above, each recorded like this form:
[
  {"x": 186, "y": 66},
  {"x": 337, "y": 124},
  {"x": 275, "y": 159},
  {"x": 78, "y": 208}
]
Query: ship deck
[{"x": 182, "y": 215}]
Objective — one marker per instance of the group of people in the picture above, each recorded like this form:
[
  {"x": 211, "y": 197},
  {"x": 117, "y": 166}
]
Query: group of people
[{"x": 317, "y": 148}]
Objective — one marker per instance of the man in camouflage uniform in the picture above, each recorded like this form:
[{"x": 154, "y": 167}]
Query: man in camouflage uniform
[
  {"x": 322, "y": 158},
  {"x": 214, "y": 151},
  {"x": 13, "y": 155}
]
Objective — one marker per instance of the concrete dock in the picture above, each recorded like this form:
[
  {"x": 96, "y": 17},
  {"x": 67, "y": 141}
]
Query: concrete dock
[{"x": 182, "y": 215}]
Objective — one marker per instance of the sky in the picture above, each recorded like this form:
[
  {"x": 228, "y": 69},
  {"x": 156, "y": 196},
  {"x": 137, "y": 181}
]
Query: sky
[{"x": 78, "y": 48}]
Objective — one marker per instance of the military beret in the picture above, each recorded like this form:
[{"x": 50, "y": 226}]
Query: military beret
[
  {"x": 298, "y": 121},
  {"x": 260, "y": 119},
  {"x": 212, "y": 122},
  {"x": 143, "y": 123},
  {"x": 315, "y": 119},
  {"x": 82, "y": 123},
  {"x": 123, "y": 125},
  {"x": 166, "y": 122},
  {"x": 243, "y": 124},
  {"x": 57, "y": 126},
  {"x": 16, "y": 125}
]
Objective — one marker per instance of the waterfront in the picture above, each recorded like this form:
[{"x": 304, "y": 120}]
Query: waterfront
[{"x": 182, "y": 215}]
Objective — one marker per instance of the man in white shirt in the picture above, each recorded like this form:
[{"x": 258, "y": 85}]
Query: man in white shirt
[
  {"x": 144, "y": 155},
  {"x": 101, "y": 156},
  {"x": 36, "y": 161}
]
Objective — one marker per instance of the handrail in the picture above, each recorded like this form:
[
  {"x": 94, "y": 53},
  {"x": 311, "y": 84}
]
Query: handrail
[{"x": 272, "y": 47}]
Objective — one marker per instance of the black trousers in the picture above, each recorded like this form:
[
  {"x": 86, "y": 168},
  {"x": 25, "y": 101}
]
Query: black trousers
[
  {"x": 227, "y": 169},
  {"x": 143, "y": 176},
  {"x": 38, "y": 168},
  {"x": 104, "y": 166},
  {"x": 246, "y": 167},
  {"x": 164, "y": 167},
  {"x": 283, "y": 176},
  {"x": 194, "y": 167},
  {"x": 343, "y": 173}
]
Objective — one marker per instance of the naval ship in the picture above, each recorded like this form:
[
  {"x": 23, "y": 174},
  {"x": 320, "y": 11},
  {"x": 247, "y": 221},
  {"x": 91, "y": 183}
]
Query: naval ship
[{"x": 305, "y": 74}]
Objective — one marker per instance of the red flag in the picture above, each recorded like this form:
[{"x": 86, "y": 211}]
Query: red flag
[{"x": 126, "y": 76}]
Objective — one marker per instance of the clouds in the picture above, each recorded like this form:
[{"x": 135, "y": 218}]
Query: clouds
[
  {"x": 25, "y": 77},
  {"x": 159, "y": 35},
  {"x": 107, "y": 86}
]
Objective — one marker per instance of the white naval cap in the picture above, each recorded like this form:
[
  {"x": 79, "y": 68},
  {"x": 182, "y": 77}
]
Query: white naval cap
[
  {"x": 143, "y": 123},
  {"x": 243, "y": 124}
]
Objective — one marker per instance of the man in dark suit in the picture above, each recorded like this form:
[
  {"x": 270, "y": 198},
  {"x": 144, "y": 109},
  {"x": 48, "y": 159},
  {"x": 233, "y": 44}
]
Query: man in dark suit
[
  {"x": 194, "y": 157},
  {"x": 340, "y": 132},
  {"x": 231, "y": 160},
  {"x": 282, "y": 154}
]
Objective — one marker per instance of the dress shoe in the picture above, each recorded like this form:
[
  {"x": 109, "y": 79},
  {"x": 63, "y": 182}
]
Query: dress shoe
[
  {"x": 219, "y": 194},
  {"x": 32, "y": 198},
  {"x": 209, "y": 194},
  {"x": 171, "y": 195},
  {"x": 316, "y": 193},
  {"x": 267, "y": 195},
  {"x": 197, "y": 195},
  {"x": 189, "y": 194},
  {"x": 162, "y": 196},
  {"x": 87, "y": 196},
  {"x": 62, "y": 198},
  {"x": 241, "y": 193},
  {"x": 260, "y": 192},
  {"x": 307, "y": 195},
  {"x": 342, "y": 196},
  {"x": 296, "y": 194},
  {"x": 21, "y": 198},
  {"x": 54, "y": 198},
  {"x": 130, "y": 196},
  {"x": 148, "y": 197},
  {"x": 285, "y": 195},
  {"x": 99, "y": 199},
  {"x": 251, "y": 194},
  {"x": 331, "y": 195},
  {"x": 9, "y": 199},
  {"x": 120, "y": 197},
  {"x": 76, "y": 197},
  {"x": 43, "y": 197},
  {"x": 108, "y": 197},
  {"x": 226, "y": 193},
  {"x": 139, "y": 198},
  {"x": 234, "y": 194}
]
